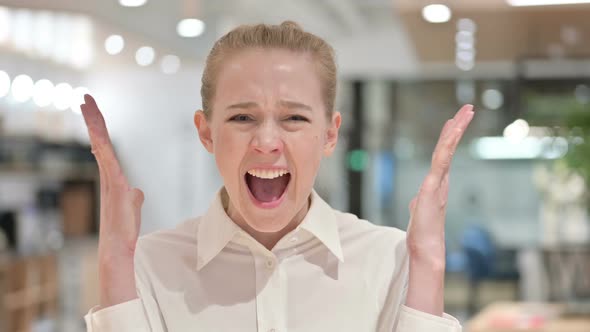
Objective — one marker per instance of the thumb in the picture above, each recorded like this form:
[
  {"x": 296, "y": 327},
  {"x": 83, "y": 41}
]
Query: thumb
[{"x": 137, "y": 197}]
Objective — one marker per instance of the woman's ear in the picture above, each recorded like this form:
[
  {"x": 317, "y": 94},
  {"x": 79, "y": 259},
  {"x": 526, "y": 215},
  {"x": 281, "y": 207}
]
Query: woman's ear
[
  {"x": 204, "y": 130},
  {"x": 332, "y": 134}
]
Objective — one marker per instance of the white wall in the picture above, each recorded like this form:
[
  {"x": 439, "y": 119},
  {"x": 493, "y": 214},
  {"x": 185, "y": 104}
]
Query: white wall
[{"x": 150, "y": 118}]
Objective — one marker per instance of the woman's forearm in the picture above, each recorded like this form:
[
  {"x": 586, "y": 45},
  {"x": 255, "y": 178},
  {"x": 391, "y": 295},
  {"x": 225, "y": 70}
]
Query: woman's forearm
[
  {"x": 426, "y": 286},
  {"x": 116, "y": 283}
]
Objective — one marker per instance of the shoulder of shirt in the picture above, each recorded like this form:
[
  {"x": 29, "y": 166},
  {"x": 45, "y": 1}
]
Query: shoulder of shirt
[
  {"x": 377, "y": 248},
  {"x": 349, "y": 225},
  {"x": 183, "y": 235}
]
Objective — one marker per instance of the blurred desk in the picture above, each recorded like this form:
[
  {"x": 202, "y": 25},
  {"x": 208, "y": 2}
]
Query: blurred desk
[{"x": 526, "y": 317}]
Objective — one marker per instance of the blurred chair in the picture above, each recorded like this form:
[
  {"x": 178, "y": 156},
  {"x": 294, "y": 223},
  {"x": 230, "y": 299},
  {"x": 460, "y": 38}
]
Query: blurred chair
[{"x": 485, "y": 262}]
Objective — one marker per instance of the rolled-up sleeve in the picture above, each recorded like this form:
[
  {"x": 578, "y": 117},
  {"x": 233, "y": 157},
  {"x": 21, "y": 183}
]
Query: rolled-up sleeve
[
  {"x": 414, "y": 320},
  {"x": 128, "y": 316},
  {"x": 138, "y": 315},
  {"x": 395, "y": 315}
]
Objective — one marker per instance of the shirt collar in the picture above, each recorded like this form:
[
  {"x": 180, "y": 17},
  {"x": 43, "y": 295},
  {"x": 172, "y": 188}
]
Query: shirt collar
[
  {"x": 321, "y": 222},
  {"x": 216, "y": 229}
]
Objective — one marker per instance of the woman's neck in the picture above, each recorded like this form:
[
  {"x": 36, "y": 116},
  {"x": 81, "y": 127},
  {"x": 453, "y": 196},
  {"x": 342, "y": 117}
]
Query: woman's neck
[{"x": 267, "y": 239}]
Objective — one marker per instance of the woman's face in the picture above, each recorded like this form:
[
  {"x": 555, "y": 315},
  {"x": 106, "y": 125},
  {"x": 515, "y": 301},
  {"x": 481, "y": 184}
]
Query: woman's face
[{"x": 268, "y": 131}]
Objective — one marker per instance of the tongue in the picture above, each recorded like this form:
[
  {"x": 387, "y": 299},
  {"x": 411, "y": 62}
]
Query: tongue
[{"x": 267, "y": 190}]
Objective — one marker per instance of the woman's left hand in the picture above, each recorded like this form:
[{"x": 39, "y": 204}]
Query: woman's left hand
[{"x": 426, "y": 231}]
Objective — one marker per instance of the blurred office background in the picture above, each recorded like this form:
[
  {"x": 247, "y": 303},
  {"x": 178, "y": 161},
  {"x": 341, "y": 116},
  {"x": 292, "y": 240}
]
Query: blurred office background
[{"x": 518, "y": 231}]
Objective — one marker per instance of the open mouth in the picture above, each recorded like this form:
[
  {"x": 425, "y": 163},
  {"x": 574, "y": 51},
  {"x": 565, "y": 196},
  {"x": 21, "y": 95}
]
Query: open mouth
[{"x": 267, "y": 186}]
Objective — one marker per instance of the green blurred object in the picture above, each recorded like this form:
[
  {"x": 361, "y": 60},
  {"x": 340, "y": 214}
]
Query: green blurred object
[
  {"x": 578, "y": 156},
  {"x": 357, "y": 160}
]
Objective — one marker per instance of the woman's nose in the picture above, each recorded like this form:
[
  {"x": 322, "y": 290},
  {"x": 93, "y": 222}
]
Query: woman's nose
[{"x": 267, "y": 138}]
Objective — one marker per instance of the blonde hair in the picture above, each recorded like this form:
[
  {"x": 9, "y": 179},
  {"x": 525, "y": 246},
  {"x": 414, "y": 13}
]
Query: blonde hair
[{"x": 287, "y": 35}]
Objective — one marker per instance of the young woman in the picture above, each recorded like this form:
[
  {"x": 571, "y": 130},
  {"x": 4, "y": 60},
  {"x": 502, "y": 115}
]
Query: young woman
[{"x": 270, "y": 254}]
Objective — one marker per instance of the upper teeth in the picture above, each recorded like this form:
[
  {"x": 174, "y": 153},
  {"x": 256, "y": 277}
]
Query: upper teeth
[{"x": 267, "y": 173}]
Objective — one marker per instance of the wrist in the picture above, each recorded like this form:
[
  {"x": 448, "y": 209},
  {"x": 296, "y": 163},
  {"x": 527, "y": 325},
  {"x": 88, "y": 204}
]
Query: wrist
[
  {"x": 116, "y": 281},
  {"x": 427, "y": 254},
  {"x": 426, "y": 284},
  {"x": 430, "y": 264}
]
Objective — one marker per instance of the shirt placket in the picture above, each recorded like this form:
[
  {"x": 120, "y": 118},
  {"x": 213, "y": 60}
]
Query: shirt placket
[{"x": 270, "y": 293}]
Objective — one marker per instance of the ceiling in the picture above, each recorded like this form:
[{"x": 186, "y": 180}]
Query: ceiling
[
  {"x": 156, "y": 21},
  {"x": 504, "y": 33}
]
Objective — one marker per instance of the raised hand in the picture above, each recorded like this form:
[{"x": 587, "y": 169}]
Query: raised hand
[
  {"x": 426, "y": 231},
  {"x": 120, "y": 214}
]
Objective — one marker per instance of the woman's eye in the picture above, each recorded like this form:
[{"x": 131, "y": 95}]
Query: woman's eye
[
  {"x": 241, "y": 118},
  {"x": 297, "y": 118}
]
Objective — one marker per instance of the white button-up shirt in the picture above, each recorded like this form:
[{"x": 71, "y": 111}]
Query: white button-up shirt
[{"x": 334, "y": 272}]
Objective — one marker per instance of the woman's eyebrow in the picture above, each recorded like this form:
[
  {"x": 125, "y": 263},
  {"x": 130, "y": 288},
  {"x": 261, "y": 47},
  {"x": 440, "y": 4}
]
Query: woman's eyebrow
[
  {"x": 294, "y": 105},
  {"x": 244, "y": 105},
  {"x": 283, "y": 103}
]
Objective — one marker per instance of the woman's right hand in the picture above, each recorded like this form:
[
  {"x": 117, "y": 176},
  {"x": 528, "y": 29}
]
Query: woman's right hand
[{"x": 120, "y": 215}]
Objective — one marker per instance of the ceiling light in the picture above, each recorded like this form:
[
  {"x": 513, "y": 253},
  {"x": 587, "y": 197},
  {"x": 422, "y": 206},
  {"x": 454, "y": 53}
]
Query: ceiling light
[
  {"x": 466, "y": 24},
  {"x": 63, "y": 96},
  {"x": 467, "y": 56},
  {"x": 492, "y": 99},
  {"x": 22, "y": 88},
  {"x": 81, "y": 50},
  {"x": 114, "y": 44},
  {"x": 190, "y": 27},
  {"x": 43, "y": 33},
  {"x": 145, "y": 56},
  {"x": 62, "y": 35},
  {"x": 528, "y": 148},
  {"x": 524, "y": 3},
  {"x": 43, "y": 93},
  {"x": 436, "y": 13},
  {"x": 464, "y": 65},
  {"x": 464, "y": 38},
  {"x": 170, "y": 64},
  {"x": 22, "y": 30},
  {"x": 132, "y": 3},
  {"x": 516, "y": 131}
]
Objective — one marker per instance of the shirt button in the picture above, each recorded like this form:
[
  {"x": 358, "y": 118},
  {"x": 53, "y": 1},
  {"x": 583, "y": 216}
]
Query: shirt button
[
  {"x": 270, "y": 263},
  {"x": 294, "y": 239}
]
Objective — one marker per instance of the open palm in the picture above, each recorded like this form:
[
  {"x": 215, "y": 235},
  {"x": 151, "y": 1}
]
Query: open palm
[
  {"x": 425, "y": 235},
  {"x": 120, "y": 214}
]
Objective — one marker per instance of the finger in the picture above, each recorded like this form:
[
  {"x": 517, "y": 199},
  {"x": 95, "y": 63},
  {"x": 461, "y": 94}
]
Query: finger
[
  {"x": 463, "y": 110},
  {"x": 445, "y": 131},
  {"x": 443, "y": 153},
  {"x": 450, "y": 124},
  {"x": 100, "y": 141},
  {"x": 137, "y": 198},
  {"x": 464, "y": 116},
  {"x": 444, "y": 189}
]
